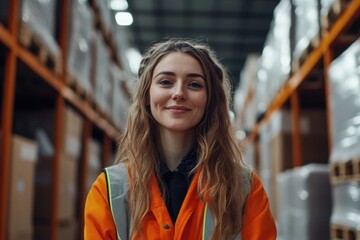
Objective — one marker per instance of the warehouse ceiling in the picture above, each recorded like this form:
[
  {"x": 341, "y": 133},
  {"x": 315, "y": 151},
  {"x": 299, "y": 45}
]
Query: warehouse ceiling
[{"x": 233, "y": 28}]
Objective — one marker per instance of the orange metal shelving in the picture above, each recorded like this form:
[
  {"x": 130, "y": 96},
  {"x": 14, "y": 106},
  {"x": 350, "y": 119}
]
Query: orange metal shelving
[
  {"x": 351, "y": 13},
  {"x": 15, "y": 52}
]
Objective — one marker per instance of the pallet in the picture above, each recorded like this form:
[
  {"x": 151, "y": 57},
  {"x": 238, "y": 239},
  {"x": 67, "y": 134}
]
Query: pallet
[
  {"x": 345, "y": 171},
  {"x": 75, "y": 84},
  {"x": 297, "y": 63},
  {"x": 341, "y": 232},
  {"x": 99, "y": 21},
  {"x": 328, "y": 20},
  {"x": 36, "y": 46}
]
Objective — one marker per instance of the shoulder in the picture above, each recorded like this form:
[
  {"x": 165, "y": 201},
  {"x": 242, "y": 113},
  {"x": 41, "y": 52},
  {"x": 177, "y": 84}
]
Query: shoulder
[{"x": 257, "y": 214}]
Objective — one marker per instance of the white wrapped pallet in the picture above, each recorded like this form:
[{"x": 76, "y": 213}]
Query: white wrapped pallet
[
  {"x": 346, "y": 208},
  {"x": 305, "y": 200},
  {"x": 39, "y": 17},
  {"x": 274, "y": 63},
  {"x": 344, "y": 75},
  {"x": 307, "y": 25},
  {"x": 99, "y": 66},
  {"x": 244, "y": 101},
  {"x": 78, "y": 57},
  {"x": 120, "y": 102}
]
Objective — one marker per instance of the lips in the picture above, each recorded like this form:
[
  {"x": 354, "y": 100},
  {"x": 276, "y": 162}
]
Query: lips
[{"x": 178, "y": 108}]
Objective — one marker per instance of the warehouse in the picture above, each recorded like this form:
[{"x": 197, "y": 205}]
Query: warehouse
[{"x": 68, "y": 71}]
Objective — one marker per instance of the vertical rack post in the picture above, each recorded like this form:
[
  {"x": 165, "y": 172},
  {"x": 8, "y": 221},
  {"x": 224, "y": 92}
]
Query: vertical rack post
[
  {"x": 106, "y": 150},
  {"x": 58, "y": 141},
  {"x": 59, "y": 117},
  {"x": 7, "y": 119},
  {"x": 296, "y": 135},
  {"x": 87, "y": 130}
]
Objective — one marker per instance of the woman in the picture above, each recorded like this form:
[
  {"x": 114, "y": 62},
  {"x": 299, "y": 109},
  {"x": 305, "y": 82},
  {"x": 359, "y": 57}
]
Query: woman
[{"x": 180, "y": 159}]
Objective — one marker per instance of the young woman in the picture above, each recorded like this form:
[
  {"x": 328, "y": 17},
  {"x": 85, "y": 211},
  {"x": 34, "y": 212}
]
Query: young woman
[{"x": 179, "y": 174}]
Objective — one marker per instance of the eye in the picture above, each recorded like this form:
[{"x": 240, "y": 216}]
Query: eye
[
  {"x": 195, "y": 85},
  {"x": 165, "y": 82}
]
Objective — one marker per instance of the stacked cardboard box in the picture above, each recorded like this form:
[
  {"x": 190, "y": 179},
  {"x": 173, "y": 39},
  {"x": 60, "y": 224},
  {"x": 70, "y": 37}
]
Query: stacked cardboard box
[
  {"x": 276, "y": 154},
  {"x": 69, "y": 163},
  {"x": 24, "y": 153}
]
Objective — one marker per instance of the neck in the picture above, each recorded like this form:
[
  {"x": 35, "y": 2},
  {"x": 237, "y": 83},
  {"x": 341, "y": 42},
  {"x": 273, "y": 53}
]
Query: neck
[{"x": 175, "y": 146}]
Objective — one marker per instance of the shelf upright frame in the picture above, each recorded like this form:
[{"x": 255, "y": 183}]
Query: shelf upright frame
[
  {"x": 295, "y": 123},
  {"x": 59, "y": 124},
  {"x": 83, "y": 170},
  {"x": 7, "y": 118},
  {"x": 347, "y": 17}
]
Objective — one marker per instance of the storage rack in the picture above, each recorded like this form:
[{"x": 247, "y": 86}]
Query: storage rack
[
  {"x": 322, "y": 54},
  {"x": 64, "y": 94}
]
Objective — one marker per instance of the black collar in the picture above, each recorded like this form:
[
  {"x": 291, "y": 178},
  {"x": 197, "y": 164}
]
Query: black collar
[{"x": 185, "y": 166}]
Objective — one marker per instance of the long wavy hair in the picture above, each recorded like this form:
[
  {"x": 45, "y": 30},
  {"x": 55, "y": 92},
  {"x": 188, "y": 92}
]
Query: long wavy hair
[{"x": 220, "y": 179}]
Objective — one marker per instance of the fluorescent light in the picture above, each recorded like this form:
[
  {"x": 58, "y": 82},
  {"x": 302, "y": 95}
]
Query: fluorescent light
[
  {"x": 124, "y": 18},
  {"x": 119, "y": 5},
  {"x": 134, "y": 57}
]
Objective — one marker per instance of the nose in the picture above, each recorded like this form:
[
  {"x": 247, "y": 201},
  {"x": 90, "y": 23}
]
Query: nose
[{"x": 179, "y": 92}]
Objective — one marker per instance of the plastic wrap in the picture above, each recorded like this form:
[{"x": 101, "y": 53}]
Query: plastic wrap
[
  {"x": 305, "y": 200},
  {"x": 105, "y": 14},
  {"x": 101, "y": 65},
  {"x": 307, "y": 24},
  {"x": 344, "y": 74},
  {"x": 346, "y": 210},
  {"x": 78, "y": 62},
  {"x": 325, "y": 6},
  {"x": 39, "y": 16},
  {"x": 274, "y": 68},
  {"x": 120, "y": 102}
]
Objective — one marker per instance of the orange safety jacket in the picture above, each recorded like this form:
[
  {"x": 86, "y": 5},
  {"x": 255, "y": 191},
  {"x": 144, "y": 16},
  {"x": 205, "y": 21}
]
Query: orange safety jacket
[{"x": 258, "y": 223}]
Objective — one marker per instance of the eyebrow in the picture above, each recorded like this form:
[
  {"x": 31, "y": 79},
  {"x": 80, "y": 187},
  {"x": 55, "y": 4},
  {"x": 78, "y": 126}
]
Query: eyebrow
[{"x": 173, "y": 74}]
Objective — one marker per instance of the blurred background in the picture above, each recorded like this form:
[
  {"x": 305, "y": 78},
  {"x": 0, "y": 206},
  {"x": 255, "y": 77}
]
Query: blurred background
[{"x": 67, "y": 75}]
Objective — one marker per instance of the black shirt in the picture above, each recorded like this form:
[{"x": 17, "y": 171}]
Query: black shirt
[{"x": 177, "y": 182}]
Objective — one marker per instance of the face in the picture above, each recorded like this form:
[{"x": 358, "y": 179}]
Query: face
[{"x": 178, "y": 93}]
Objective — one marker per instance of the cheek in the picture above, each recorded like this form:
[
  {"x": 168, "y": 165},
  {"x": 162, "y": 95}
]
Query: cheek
[{"x": 155, "y": 97}]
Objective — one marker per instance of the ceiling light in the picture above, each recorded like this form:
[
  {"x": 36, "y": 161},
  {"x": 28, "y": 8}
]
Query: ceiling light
[
  {"x": 134, "y": 57},
  {"x": 124, "y": 18},
  {"x": 119, "y": 5}
]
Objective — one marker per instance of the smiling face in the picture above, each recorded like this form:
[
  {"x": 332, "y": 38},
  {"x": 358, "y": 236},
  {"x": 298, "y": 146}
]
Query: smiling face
[{"x": 178, "y": 93}]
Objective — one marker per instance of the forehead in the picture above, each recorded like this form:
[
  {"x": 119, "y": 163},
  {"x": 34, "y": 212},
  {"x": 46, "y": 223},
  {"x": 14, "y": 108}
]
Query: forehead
[{"x": 178, "y": 63}]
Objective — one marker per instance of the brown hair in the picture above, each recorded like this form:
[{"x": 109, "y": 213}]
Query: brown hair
[{"x": 219, "y": 154}]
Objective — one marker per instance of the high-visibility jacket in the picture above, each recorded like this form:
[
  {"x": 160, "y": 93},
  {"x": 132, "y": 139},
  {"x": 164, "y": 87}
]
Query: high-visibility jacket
[{"x": 258, "y": 223}]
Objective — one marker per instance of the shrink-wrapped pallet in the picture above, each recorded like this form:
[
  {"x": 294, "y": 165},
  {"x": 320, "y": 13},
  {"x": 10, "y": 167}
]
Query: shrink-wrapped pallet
[
  {"x": 99, "y": 70},
  {"x": 244, "y": 101},
  {"x": 346, "y": 207},
  {"x": 274, "y": 67},
  {"x": 39, "y": 17},
  {"x": 307, "y": 26},
  {"x": 305, "y": 200},
  {"x": 120, "y": 101},
  {"x": 78, "y": 58},
  {"x": 344, "y": 75}
]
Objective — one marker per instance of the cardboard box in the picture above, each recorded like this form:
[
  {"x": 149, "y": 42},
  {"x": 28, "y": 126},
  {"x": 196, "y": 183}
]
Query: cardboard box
[
  {"x": 67, "y": 189},
  {"x": 28, "y": 122},
  {"x": 23, "y": 160},
  {"x": 276, "y": 150},
  {"x": 66, "y": 230}
]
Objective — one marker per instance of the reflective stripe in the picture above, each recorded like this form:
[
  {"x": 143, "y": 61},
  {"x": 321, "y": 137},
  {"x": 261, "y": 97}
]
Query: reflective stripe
[
  {"x": 209, "y": 224},
  {"x": 118, "y": 188}
]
